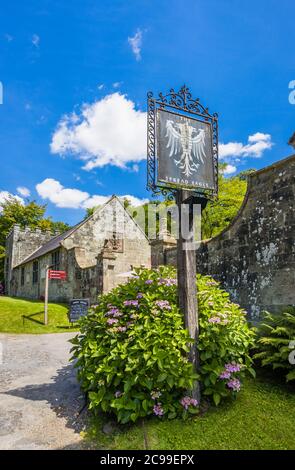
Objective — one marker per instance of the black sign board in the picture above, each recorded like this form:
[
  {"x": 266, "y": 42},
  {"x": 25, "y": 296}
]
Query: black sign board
[
  {"x": 184, "y": 151},
  {"x": 78, "y": 308},
  {"x": 182, "y": 146}
]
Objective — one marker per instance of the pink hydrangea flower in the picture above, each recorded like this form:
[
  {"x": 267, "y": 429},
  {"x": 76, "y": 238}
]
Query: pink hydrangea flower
[
  {"x": 130, "y": 303},
  {"x": 232, "y": 367},
  {"x": 121, "y": 329},
  {"x": 214, "y": 320},
  {"x": 188, "y": 401},
  {"x": 158, "y": 410},
  {"x": 163, "y": 304},
  {"x": 167, "y": 282},
  {"x": 111, "y": 321},
  {"x": 225, "y": 375},
  {"x": 234, "y": 384}
]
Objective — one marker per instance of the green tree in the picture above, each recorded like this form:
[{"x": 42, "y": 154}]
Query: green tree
[
  {"x": 30, "y": 215},
  {"x": 219, "y": 213},
  {"x": 243, "y": 175}
]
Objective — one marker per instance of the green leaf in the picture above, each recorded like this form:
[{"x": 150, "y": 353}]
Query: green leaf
[
  {"x": 145, "y": 405},
  {"x": 127, "y": 386},
  {"x": 216, "y": 398},
  {"x": 162, "y": 377}
]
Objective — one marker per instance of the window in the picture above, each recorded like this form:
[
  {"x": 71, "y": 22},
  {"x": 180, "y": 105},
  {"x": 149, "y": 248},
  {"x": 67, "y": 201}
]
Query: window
[
  {"x": 78, "y": 274},
  {"x": 55, "y": 260},
  {"x": 35, "y": 272},
  {"x": 22, "y": 276},
  {"x": 7, "y": 268}
]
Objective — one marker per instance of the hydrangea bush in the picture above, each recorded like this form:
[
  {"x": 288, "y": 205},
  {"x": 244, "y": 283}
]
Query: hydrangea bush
[{"x": 132, "y": 349}]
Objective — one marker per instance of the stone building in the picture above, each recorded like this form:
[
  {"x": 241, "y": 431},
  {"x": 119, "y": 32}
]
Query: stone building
[
  {"x": 254, "y": 258},
  {"x": 97, "y": 254}
]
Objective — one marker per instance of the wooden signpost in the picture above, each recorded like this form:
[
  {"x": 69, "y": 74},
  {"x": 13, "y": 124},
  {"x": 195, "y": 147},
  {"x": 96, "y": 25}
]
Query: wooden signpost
[
  {"x": 182, "y": 164},
  {"x": 50, "y": 274}
]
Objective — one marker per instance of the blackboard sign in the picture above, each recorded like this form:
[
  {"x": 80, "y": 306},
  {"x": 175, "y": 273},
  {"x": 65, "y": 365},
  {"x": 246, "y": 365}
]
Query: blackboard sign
[{"x": 78, "y": 308}]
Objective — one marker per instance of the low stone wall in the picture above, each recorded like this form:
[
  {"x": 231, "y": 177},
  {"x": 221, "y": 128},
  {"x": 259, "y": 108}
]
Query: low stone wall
[{"x": 254, "y": 258}]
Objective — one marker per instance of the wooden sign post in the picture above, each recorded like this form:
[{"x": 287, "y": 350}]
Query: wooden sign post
[
  {"x": 182, "y": 163},
  {"x": 46, "y": 296},
  {"x": 50, "y": 274}
]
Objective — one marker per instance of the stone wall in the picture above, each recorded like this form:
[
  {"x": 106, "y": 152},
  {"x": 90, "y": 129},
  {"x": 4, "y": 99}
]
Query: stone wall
[
  {"x": 81, "y": 257},
  {"x": 21, "y": 243},
  {"x": 254, "y": 258}
]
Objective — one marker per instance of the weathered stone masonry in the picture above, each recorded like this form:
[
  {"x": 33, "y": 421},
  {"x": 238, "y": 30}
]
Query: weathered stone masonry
[
  {"x": 97, "y": 255},
  {"x": 254, "y": 258}
]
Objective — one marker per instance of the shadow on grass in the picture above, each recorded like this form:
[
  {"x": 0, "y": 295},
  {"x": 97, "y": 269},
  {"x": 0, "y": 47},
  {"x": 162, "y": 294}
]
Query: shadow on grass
[
  {"x": 30, "y": 318},
  {"x": 70, "y": 327}
]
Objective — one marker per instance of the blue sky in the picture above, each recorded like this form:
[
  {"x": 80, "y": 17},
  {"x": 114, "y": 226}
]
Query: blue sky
[{"x": 63, "y": 64}]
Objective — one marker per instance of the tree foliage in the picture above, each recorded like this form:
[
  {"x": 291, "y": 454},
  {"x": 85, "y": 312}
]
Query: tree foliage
[
  {"x": 219, "y": 213},
  {"x": 26, "y": 215}
]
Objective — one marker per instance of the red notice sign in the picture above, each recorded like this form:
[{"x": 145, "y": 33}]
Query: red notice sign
[{"x": 56, "y": 274}]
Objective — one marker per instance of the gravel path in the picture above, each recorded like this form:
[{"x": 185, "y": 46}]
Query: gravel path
[{"x": 40, "y": 398}]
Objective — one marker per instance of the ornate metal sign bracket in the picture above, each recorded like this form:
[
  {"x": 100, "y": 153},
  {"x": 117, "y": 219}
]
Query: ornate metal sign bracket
[{"x": 183, "y": 104}]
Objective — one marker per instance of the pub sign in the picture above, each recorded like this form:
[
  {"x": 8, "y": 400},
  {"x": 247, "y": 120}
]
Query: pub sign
[{"x": 182, "y": 144}]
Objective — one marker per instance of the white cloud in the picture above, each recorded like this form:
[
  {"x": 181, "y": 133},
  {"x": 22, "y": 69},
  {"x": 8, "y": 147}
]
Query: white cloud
[
  {"x": 135, "y": 43},
  {"x": 101, "y": 86},
  {"x": 62, "y": 197},
  {"x": 53, "y": 191},
  {"x": 134, "y": 201},
  {"x": 117, "y": 84},
  {"x": 35, "y": 40},
  {"x": 229, "y": 170},
  {"x": 256, "y": 146},
  {"x": 109, "y": 131},
  {"x": 5, "y": 195},
  {"x": 259, "y": 136},
  {"x": 23, "y": 191}
]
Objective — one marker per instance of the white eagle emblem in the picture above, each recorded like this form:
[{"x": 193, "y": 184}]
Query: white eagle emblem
[{"x": 190, "y": 141}]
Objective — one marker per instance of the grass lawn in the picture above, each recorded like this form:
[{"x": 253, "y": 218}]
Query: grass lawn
[
  {"x": 263, "y": 417},
  {"x": 27, "y": 316}
]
